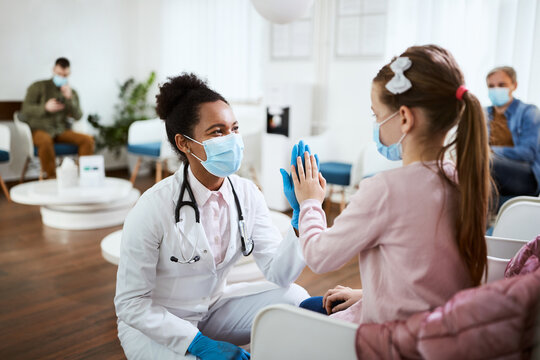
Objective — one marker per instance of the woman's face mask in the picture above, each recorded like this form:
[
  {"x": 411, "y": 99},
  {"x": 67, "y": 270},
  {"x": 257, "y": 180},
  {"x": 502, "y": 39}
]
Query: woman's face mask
[
  {"x": 392, "y": 152},
  {"x": 223, "y": 154}
]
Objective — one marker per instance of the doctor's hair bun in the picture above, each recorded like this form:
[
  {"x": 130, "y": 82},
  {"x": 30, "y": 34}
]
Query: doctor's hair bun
[{"x": 178, "y": 103}]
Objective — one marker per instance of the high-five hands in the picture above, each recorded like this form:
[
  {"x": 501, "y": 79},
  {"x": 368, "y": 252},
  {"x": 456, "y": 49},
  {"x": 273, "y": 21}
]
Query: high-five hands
[
  {"x": 309, "y": 182},
  {"x": 288, "y": 186}
]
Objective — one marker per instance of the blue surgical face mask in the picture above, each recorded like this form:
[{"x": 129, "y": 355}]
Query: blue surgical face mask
[
  {"x": 223, "y": 154},
  {"x": 499, "y": 95},
  {"x": 392, "y": 152},
  {"x": 59, "y": 80}
]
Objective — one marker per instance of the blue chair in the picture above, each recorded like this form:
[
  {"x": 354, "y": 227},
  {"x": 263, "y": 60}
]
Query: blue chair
[
  {"x": 337, "y": 173},
  {"x": 25, "y": 136},
  {"x": 5, "y": 143},
  {"x": 146, "y": 140}
]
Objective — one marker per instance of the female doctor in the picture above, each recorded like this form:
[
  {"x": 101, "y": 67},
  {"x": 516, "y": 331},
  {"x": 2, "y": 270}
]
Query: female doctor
[{"x": 186, "y": 233}]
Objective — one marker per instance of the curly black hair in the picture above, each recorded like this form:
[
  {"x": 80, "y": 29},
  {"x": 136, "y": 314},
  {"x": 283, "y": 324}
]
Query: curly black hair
[{"x": 178, "y": 104}]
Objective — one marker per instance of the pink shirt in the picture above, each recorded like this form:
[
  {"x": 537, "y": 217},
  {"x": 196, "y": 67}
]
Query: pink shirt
[
  {"x": 214, "y": 211},
  {"x": 401, "y": 225}
]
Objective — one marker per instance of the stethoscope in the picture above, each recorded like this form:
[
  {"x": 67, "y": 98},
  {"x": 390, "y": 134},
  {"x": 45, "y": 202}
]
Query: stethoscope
[{"x": 247, "y": 248}]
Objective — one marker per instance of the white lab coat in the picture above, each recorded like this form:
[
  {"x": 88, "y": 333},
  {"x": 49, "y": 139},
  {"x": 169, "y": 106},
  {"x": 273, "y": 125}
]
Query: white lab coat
[{"x": 165, "y": 300}]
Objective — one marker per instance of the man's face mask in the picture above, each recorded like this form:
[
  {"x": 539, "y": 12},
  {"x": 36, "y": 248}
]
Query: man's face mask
[
  {"x": 499, "y": 95},
  {"x": 59, "y": 81}
]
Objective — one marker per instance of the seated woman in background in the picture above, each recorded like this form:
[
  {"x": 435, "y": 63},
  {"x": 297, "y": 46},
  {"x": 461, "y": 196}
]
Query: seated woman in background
[{"x": 418, "y": 230}]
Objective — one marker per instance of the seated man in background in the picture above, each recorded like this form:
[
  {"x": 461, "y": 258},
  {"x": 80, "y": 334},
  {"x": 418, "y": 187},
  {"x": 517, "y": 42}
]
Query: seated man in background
[
  {"x": 514, "y": 136},
  {"x": 46, "y": 108}
]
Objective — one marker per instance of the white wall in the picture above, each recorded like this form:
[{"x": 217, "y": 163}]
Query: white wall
[
  {"x": 345, "y": 85},
  {"x": 96, "y": 36},
  {"x": 480, "y": 33}
]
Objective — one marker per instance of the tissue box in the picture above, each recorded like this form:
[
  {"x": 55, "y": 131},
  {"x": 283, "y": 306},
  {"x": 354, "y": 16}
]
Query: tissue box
[
  {"x": 92, "y": 170},
  {"x": 67, "y": 174}
]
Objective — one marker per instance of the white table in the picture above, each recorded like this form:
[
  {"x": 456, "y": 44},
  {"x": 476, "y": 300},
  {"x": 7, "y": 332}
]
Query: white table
[
  {"x": 244, "y": 270},
  {"x": 79, "y": 208}
]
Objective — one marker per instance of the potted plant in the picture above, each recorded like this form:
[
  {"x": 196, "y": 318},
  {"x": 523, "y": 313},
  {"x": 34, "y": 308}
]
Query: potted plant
[{"x": 132, "y": 106}]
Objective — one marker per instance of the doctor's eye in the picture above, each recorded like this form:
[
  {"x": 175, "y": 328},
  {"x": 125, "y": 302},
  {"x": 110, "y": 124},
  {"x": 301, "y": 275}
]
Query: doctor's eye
[{"x": 236, "y": 128}]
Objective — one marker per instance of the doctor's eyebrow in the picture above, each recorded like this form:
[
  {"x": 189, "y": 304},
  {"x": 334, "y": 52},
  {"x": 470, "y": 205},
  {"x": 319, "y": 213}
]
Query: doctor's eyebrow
[{"x": 221, "y": 125}]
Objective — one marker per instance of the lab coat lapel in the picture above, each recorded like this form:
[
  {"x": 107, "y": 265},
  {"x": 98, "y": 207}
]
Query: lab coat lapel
[
  {"x": 191, "y": 230},
  {"x": 235, "y": 246}
]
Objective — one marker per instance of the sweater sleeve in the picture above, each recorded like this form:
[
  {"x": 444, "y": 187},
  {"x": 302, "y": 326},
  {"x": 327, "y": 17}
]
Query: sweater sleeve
[
  {"x": 526, "y": 149},
  {"x": 33, "y": 105},
  {"x": 73, "y": 108},
  {"x": 357, "y": 228}
]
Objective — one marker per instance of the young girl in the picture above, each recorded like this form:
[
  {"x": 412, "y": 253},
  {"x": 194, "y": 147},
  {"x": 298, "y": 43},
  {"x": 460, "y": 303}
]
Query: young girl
[{"x": 418, "y": 231}]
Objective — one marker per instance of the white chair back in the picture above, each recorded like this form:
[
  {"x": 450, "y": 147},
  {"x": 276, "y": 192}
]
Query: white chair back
[
  {"x": 287, "y": 332},
  {"x": 24, "y": 135},
  {"x": 515, "y": 200},
  {"x": 5, "y": 138},
  {"x": 520, "y": 220},
  {"x": 496, "y": 268},
  {"x": 503, "y": 247},
  {"x": 146, "y": 131}
]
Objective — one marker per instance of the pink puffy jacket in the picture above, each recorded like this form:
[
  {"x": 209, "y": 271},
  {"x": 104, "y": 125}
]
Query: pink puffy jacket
[{"x": 495, "y": 320}]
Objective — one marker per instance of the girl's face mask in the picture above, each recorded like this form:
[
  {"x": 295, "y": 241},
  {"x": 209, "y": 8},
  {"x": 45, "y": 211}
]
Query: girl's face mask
[{"x": 392, "y": 152}]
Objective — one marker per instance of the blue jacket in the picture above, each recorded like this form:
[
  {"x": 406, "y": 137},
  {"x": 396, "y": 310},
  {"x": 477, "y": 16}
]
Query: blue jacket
[{"x": 524, "y": 124}]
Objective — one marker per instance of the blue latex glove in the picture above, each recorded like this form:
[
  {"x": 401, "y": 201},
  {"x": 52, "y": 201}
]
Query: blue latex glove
[
  {"x": 288, "y": 186},
  {"x": 207, "y": 349}
]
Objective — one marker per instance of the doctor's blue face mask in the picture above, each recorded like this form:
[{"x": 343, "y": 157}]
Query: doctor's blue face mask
[
  {"x": 392, "y": 152},
  {"x": 223, "y": 154}
]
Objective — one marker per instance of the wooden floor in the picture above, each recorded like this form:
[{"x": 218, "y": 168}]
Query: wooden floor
[{"x": 56, "y": 290}]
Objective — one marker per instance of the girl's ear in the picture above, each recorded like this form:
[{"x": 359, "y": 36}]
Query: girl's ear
[
  {"x": 181, "y": 143},
  {"x": 407, "y": 119}
]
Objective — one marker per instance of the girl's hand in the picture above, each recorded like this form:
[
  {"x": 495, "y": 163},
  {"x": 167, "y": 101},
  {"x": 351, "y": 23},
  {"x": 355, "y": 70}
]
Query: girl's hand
[
  {"x": 340, "y": 298},
  {"x": 308, "y": 184}
]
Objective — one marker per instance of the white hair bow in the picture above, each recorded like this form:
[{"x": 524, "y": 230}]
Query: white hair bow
[{"x": 399, "y": 83}]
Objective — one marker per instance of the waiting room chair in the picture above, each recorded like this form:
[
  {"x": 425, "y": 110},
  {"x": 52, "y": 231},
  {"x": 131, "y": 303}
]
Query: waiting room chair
[
  {"x": 518, "y": 220},
  {"x": 147, "y": 139},
  {"x": 496, "y": 268},
  {"x": 504, "y": 248},
  {"x": 30, "y": 151},
  {"x": 288, "y": 332},
  {"x": 463, "y": 327},
  {"x": 5, "y": 143}
]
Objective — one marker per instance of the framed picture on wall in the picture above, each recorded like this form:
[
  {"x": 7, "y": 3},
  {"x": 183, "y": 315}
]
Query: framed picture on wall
[{"x": 361, "y": 28}]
